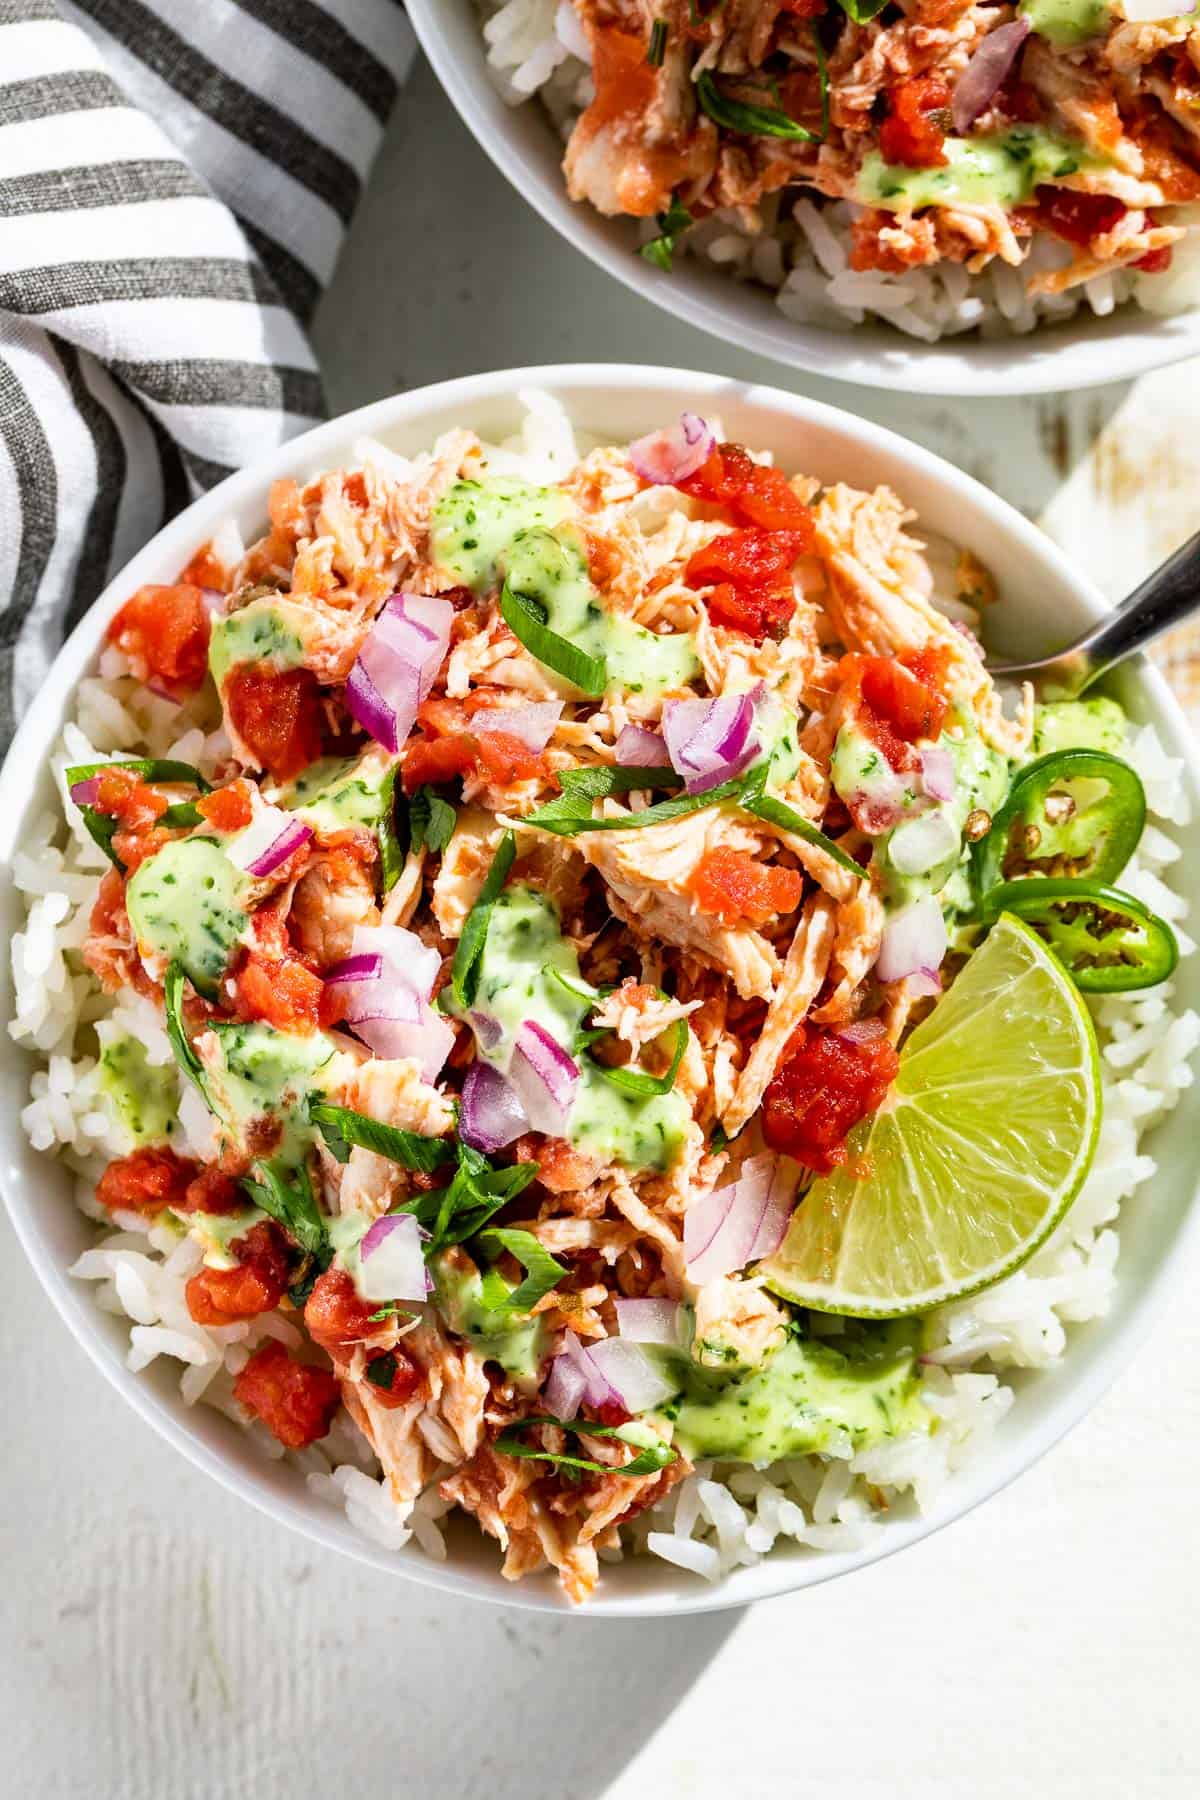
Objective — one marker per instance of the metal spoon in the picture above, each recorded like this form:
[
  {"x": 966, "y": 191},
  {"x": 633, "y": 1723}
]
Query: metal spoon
[{"x": 1167, "y": 596}]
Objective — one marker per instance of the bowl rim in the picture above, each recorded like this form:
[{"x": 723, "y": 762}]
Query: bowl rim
[
  {"x": 778, "y": 1573},
  {"x": 1093, "y": 352}
]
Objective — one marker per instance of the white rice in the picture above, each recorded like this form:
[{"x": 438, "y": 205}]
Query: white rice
[
  {"x": 723, "y": 1515},
  {"x": 536, "y": 47}
]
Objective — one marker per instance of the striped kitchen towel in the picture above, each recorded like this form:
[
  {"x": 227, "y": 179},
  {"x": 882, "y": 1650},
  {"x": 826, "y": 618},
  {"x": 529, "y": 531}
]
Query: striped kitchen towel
[{"x": 176, "y": 177}]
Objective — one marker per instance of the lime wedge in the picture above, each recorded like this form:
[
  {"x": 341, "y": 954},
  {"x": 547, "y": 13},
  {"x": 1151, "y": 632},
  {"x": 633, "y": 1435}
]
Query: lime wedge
[{"x": 983, "y": 1144}]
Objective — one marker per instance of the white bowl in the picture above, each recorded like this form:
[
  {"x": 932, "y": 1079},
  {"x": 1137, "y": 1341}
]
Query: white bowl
[
  {"x": 1044, "y": 600},
  {"x": 1082, "y": 352}
]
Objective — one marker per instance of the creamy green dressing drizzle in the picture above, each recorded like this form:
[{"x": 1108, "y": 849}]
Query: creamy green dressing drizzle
[
  {"x": 1002, "y": 169},
  {"x": 1096, "y": 724},
  {"x": 485, "y": 532},
  {"x": 810, "y": 1395},
  {"x": 530, "y": 971},
  {"x": 142, "y": 1097},
  {"x": 1067, "y": 22},
  {"x": 261, "y": 1074},
  {"x": 259, "y": 632},
  {"x": 215, "y": 1232},
  {"x": 518, "y": 1343},
  {"x": 338, "y": 793},
  {"x": 189, "y": 903}
]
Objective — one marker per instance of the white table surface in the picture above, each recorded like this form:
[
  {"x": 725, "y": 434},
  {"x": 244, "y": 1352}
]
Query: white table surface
[{"x": 162, "y": 1642}]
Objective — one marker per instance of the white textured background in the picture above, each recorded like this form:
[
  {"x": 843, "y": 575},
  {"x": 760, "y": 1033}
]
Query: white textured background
[{"x": 161, "y": 1642}]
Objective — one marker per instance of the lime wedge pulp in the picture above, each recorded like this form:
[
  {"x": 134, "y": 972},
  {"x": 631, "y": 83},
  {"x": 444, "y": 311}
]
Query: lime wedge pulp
[{"x": 980, "y": 1149}]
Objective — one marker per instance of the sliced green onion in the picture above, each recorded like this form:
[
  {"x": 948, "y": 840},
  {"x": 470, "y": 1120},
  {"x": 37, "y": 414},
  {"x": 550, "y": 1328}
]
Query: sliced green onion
[
  {"x": 542, "y": 1272},
  {"x": 341, "y": 1127},
  {"x": 464, "y": 977},
  {"x": 526, "y": 619},
  {"x": 571, "y": 813},
  {"x": 648, "y": 1461},
  {"x": 431, "y": 820},
  {"x": 671, "y": 226},
  {"x": 293, "y": 1205},
  {"x": 656, "y": 49},
  {"x": 636, "y": 1081},
  {"x": 786, "y": 818},
  {"x": 391, "y": 852},
  {"x": 147, "y": 768},
  {"x": 749, "y": 121},
  {"x": 180, "y": 1043}
]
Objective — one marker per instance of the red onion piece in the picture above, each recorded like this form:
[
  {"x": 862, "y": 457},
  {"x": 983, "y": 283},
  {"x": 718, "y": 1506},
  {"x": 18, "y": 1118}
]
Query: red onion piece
[
  {"x": 491, "y": 1115},
  {"x": 391, "y": 1261},
  {"x": 636, "y": 1382},
  {"x": 669, "y": 456},
  {"x": 270, "y": 838},
  {"x": 913, "y": 940},
  {"x": 398, "y": 664},
  {"x": 545, "y": 1077},
  {"x": 710, "y": 741},
  {"x": 565, "y": 1387},
  {"x": 937, "y": 773},
  {"x": 987, "y": 72},
  {"x": 639, "y": 748},
  {"x": 740, "y": 1223},
  {"x": 532, "y": 725},
  {"x": 86, "y": 793},
  {"x": 650, "y": 1321},
  {"x": 925, "y": 981},
  {"x": 923, "y": 842},
  {"x": 489, "y": 1031},
  {"x": 388, "y": 979},
  {"x": 597, "y": 1389}
]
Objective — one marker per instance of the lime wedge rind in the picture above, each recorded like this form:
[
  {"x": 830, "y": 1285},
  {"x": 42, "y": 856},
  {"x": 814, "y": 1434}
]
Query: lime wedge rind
[{"x": 900, "y": 1240}]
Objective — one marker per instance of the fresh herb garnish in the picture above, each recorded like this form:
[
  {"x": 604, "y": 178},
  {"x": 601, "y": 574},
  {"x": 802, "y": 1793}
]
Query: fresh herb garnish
[
  {"x": 146, "y": 768},
  {"x": 391, "y": 1311},
  {"x": 431, "y": 820},
  {"x": 648, "y": 1461},
  {"x": 391, "y": 852},
  {"x": 180, "y": 1043},
  {"x": 785, "y": 818},
  {"x": 671, "y": 226},
  {"x": 636, "y": 1081},
  {"x": 341, "y": 1127},
  {"x": 656, "y": 49},
  {"x": 305, "y": 1278},
  {"x": 542, "y": 1272},
  {"x": 862, "y": 11},
  {"x": 453, "y": 1214},
  {"x": 464, "y": 977},
  {"x": 292, "y": 1204},
  {"x": 381, "y": 1370},
  {"x": 571, "y": 813},
  {"x": 526, "y": 619},
  {"x": 748, "y": 120}
]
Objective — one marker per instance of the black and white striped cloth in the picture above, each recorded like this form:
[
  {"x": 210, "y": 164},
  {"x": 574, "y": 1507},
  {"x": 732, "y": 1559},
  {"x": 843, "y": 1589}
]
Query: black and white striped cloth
[{"x": 176, "y": 177}]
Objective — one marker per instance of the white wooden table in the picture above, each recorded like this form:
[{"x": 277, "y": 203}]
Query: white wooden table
[{"x": 164, "y": 1643}]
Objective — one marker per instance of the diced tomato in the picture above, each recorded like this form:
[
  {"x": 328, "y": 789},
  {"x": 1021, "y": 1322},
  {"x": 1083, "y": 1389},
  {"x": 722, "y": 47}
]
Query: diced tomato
[
  {"x": 256, "y": 1285},
  {"x": 824, "y": 1084},
  {"x": 918, "y": 119},
  {"x": 146, "y": 1181},
  {"x": 164, "y": 630},
  {"x": 278, "y": 715},
  {"x": 282, "y": 991},
  {"x": 505, "y": 758},
  {"x": 212, "y": 1191},
  {"x": 121, "y": 795},
  {"x": 736, "y": 887},
  {"x": 899, "y": 699},
  {"x": 230, "y": 808},
  {"x": 754, "y": 493},
  {"x": 1017, "y": 100},
  {"x": 295, "y": 1401},
  {"x": 434, "y": 760},
  {"x": 1078, "y": 217},
  {"x": 394, "y": 1377},
  {"x": 1155, "y": 262},
  {"x": 205, "y": 570},
  {"x": 803, "y": 9},
  {"x": 335, "y": 1313},
  {"x": 750, "y": 574}
]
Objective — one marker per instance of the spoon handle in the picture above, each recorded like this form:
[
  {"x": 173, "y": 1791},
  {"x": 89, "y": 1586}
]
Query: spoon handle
[{"x": 1169, "y": 595}]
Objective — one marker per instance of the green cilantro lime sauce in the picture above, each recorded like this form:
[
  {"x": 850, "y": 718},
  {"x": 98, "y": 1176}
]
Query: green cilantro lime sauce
[
  {"x": 1002, "y": 170},
  {"x": 142, "y": 1097},
  {"x": 260, "y": 632},
  {"x": 778, "y": 733},
  {"x": 515, "y": 1341},
  {"x": 530, "y": 971},
  {"x": 487, "y": 532},
  {"x": 1097, "y": 724},
  {"x": 338, "y": 792},
  {"x": 1067, "y": 22},
  {"x": 264, "y": 1074},
  {"x": 215, "y": 1232},
  {"x": 187, "y": 904},
  {"x": 809, "y": 1396},
  {"x": 981, "y": 780}
]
